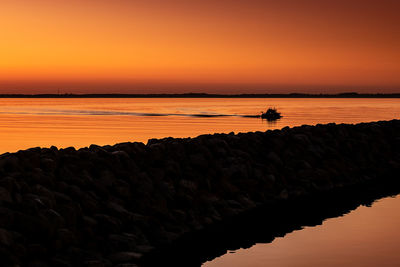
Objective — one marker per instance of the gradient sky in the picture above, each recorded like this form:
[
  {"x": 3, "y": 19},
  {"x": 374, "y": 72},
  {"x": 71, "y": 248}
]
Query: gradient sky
[{"x": 224, "y": 46}]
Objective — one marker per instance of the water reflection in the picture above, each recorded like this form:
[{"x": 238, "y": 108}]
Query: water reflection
[
  {"x": 270, "y": 124},
  {"x": 367, "y": 237},
  {"x": 264, "y": 226},
  {"x": 26, "y": 123}
]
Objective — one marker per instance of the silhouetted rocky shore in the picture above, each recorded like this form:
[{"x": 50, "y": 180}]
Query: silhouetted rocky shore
[{"x": 115, "y": 205}]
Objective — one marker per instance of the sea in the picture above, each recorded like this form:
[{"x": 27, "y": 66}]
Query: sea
[
  {"x": 367, "y": 236},
  {"x": 80, "y": 122}
]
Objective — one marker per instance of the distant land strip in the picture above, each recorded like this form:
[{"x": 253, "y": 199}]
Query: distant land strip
[{"x": 204, "y": 95}]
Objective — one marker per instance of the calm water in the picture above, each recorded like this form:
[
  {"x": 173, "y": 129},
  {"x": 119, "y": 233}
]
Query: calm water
[
  {"x": 28, "y": 123},
  {"x": 366, "y": 237}
]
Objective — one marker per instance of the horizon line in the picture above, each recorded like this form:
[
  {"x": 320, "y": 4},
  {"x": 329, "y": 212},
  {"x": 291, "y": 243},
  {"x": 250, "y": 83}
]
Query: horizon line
[{"x": 207, "y": 95}]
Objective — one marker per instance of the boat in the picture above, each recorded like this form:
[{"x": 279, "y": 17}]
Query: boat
[{"x": 271, "y": 114}]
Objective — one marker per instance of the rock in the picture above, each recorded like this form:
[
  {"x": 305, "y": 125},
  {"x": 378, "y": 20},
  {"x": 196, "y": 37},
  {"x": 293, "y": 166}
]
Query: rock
[
  {"x": 59, "y": 262},
  {"x": 271, "y": 178},
  {"x": 54, "y": 218},
  {"x": 62, "y": 198},
  {"x": 107, "y": 178},
  {"x": 284, "y": 194},
  {"x": 274, "y": 158},
  {"x": 95, "y": 263},
  {"x": 9, "y": 163},
  {"x": 5, "y": 196},
  {"x": 38, "y": 263},
  {"x": 6, "y": 238},
  {"x": 37, "y": 251},
  {"x": 198, "y": 161},
  {"x": 68, "y": 150},
  {"x": 124, "y": 242},
  {"x": 48, "y": 164},
  {"x": 108, "y": 224},
  {"x": 31, "y": 226},
  {"x": 188, "y": 185},
  {"x": 121, "y": 154},
  {"x": 144, "y": 248},
  {"x": 6, "y": 217},
  {"x": 117, "y": 210},
  {"x": 125, "y": 257},
  {"x": 65, "y": 238},
  {"x": 89, "y": 221},
  {"x": 108, "y": 206}
]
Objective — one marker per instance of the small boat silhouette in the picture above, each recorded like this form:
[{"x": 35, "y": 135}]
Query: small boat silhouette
[{"x": 271, "y": 114}]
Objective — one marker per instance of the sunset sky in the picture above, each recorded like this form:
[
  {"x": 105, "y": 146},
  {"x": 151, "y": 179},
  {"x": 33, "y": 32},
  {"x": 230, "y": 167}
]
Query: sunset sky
[{"x": 218, "y": 46}]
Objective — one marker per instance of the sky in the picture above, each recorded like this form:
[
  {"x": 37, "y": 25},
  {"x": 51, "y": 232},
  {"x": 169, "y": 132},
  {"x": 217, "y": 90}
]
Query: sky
[{"x": 224, "y": 46}]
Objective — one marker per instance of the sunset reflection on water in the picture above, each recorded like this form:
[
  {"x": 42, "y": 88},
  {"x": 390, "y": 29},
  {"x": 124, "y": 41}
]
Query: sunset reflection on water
[
  {"x": 26, "y": 123},
  {"x": 366, "y": 237}
]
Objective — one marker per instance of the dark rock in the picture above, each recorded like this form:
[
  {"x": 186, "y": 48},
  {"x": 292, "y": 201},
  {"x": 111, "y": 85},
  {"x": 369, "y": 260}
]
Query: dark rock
[
  {"x": 6, "y": 217},
  {"x": 6, "y": 238},
  {"x": 65, "y": 238},
  {"x": 59, "y": 262},
  {"x": 124, "y": 242},
  {"x": 108, "y": 206},
  {"x": 36, "y": 251},
  {"x": 9, "y": 163},
  {"x": 274, "y": 158},
  {"x": 125, "y": 257},
  {"x": 48, "y": 164},
  {"x": 108, "y": 224},
  {"x": 38, "y": 263},
  {"x": 5, "y": 196}
]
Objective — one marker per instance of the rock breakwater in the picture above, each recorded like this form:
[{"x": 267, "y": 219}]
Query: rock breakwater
[{"x": 110, "y": 205}]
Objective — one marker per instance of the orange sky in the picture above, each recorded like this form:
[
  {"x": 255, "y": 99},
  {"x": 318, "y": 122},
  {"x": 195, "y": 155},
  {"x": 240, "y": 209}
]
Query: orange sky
[{"x": 224, "y": 46}]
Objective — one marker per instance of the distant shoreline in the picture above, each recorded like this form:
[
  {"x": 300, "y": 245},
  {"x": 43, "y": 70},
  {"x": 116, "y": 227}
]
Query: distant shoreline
[{"x": 203, "y": 95}]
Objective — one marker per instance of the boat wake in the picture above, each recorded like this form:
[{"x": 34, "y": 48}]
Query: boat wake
[{"x": 122, "y": 113}]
